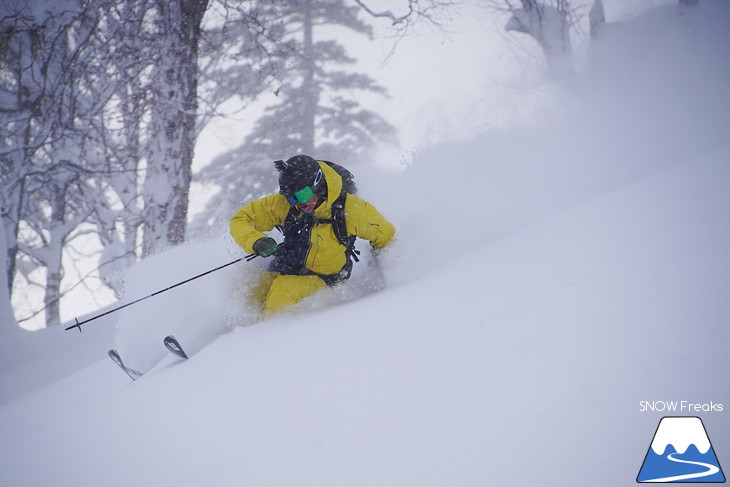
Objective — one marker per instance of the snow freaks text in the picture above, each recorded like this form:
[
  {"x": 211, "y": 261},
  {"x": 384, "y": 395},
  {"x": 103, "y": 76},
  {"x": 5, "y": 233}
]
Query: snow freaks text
[{"x": 687, "y": 407}]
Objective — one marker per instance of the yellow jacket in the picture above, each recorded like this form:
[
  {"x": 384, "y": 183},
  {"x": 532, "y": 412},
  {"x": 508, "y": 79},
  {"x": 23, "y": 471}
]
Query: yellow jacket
[{"x": 326, "y": 255}]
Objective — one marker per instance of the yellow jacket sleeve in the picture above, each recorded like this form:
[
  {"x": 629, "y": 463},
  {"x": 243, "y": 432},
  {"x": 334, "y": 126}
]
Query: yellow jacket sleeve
[
  {"x": 262, "y": 215},
  {"x": 366, "y": 222}
]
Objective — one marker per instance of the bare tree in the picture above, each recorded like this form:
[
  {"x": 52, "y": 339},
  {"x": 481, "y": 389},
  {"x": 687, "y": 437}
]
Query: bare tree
[
  {"x": 20, "y": 99},
  {"x": 549, "y": 23},
  {"x": 42, "y": 102},
  {"x": 91, "y": 97},
  {"x": 597, "y": 18},
  {"x": 118, "y": 212},
  {"x": 407, "y": 13}
]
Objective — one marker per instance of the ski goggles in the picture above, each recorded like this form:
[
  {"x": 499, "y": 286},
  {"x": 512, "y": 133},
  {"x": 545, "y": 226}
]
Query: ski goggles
[{"x": 302, "y": 196}]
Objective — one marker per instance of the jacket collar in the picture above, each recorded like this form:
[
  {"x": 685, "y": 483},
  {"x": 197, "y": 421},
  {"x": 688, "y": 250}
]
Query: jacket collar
[{"x": 334, "y": 187}]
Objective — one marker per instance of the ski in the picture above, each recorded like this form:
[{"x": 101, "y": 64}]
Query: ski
[
  {"x": 114, "y": 355},
  {"x": 170, "y": 343},
  {"x": 174, "y": 347}
]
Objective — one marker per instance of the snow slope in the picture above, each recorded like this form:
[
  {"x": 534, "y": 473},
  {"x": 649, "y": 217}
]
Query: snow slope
[
  {"x": 655, "y": 96},
  {"x": 521, "y": 363}
]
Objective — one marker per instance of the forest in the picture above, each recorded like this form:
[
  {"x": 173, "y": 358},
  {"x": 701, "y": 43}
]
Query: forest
[{"x": 101, "y": 104}]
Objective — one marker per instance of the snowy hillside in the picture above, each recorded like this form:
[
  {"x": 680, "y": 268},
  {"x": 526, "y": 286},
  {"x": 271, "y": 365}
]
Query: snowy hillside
[
  {"x": 546, "y": 280},
  {"x": 532, "y": 351}
]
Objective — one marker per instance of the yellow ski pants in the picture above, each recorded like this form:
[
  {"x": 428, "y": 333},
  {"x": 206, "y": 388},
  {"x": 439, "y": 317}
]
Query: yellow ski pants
[{"x": 278, "y": 292}]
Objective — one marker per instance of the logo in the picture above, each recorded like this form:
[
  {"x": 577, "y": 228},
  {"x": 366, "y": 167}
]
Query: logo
[{"x": 680, "y": 452}]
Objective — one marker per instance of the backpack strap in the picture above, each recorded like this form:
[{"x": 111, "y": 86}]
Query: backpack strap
[
  {"x": 297, "y": 227},
  {"x": 339, "y": 227}
]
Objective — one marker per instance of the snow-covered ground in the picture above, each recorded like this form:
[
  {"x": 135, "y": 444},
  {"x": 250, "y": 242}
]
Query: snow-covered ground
[
  {"x": 545, "y": 282},
  {"x": 522, "y": 362}
]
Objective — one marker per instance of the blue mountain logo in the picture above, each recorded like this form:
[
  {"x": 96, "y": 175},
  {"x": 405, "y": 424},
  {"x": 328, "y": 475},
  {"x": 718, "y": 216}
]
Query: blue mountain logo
[{"x": 681, "y": 452}]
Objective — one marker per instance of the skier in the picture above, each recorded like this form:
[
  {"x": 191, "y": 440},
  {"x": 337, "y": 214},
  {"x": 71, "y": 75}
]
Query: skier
[{"x": 320, "y": 218}]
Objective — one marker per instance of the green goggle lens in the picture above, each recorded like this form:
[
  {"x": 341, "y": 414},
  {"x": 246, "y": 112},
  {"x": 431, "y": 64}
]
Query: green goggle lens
[{"x": 304, "y": 195}]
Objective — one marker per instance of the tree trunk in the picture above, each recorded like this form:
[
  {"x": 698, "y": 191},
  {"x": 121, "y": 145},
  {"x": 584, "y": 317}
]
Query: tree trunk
[
  {"x": 120, "y": 244},
  {"x": 309, "y": 88},
  {"x": 10, "y": 224},
  {"x": 19, "y": 55},
  {"x": 126, "y": 183},
  {"x": 52, "y": 299},
  {"x": 7, "y": 317},
  {"x": 54, "y": 252},
  {"x": 170, "y": 155},
  {"x": 550, "y": 27},
  {"x": 13, "y": 205},
  {"x": 597, "y": 18}
]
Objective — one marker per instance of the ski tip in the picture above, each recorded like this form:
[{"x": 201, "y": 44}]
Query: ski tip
[
  {"x": 114, "y": 355},
  {"x": 133, "y": 374},
  {"x": 174, "y": 347}
]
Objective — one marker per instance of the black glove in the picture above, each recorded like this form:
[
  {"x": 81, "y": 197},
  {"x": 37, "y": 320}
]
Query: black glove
[{"x": 265, "y": 246}]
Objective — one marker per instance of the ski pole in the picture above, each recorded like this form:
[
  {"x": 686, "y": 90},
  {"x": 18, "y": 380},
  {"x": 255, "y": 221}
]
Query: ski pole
[{"x": 78, "y": 324}]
